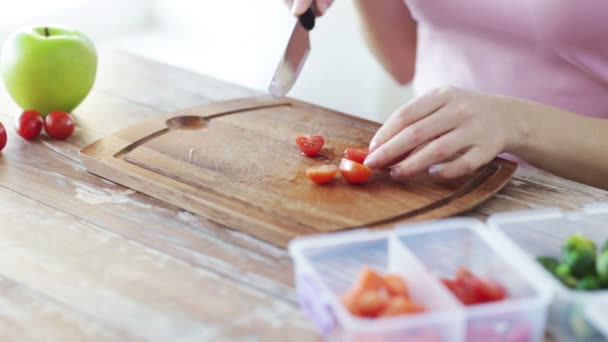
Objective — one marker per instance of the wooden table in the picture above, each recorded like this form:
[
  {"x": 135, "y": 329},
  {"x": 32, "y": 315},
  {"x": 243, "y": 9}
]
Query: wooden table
[{"x": 85, "y": 259}]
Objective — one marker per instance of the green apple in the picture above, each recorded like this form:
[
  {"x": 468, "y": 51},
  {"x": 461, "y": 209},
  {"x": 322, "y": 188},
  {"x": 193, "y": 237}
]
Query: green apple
[{"x": 48, "y": 68}]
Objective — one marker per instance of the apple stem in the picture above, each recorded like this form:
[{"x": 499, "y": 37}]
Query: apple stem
[{"x": 46, "y": 31}]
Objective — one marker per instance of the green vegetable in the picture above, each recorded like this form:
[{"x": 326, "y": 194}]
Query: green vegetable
[
  {"x": 601, "y": 267},
  {"x": 605, "y": 247},
  {"x": 579, "y": 253},
  {"x": 562, "y": 271},
  {"x": 589, "y": 283},
  {"x": 549, "y": 263}
]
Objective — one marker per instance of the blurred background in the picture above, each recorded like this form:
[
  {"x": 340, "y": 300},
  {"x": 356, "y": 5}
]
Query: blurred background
[{"x": 239, "y": 41}]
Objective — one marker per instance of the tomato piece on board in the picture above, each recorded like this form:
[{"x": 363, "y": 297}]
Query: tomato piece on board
[
  {"x": 356, "y": 154},
  {"x": 322, "y": 174},
  {"x": 400, "y": 305},
  {"x": 59, "y": 125},
  {"x": 395, "y": 285},
  {"x": 354, "y": 172},
  {"x": 29, "y": 124},
  {"x": 3, "y": 137},
  {"x": 310, "y": 145}
]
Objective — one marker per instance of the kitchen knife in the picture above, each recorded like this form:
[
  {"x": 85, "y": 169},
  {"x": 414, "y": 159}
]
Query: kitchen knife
[{"x": 293, "y": 58}]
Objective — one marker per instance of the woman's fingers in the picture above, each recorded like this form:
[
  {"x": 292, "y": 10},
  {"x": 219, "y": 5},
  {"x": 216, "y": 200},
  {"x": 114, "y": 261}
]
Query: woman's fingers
[
  {"x": 442, "y": 121},
  {"x": 464, "y": 165},
  {"x": 322, "y": 6},
  {"x": 301, "y": 6},
  {"x": 438, "y": 151},
  {"x": 407, "y": 115}
]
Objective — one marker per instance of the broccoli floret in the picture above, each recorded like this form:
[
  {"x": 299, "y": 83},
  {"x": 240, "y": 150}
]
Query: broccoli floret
[
  {"x": 562, "y": 271},
  {"x": 579, "y": 253},
  {"x": 589, "y": 283}
]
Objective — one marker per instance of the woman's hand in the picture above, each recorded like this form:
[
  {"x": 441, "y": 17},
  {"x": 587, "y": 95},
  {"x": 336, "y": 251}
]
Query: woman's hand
[
  {"x": 451, "y": 132},
  {"x": 298, "y": 7}
]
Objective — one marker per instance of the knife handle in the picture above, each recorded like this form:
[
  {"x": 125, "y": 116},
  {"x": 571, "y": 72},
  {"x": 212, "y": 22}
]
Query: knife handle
[{"x": 307, "y": 20}]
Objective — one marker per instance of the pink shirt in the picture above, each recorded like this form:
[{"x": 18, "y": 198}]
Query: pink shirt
[{"x": 550, "y": 51}]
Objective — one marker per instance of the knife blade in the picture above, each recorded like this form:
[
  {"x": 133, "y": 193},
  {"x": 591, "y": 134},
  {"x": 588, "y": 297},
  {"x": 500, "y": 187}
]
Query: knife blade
[{"x": 293, "y": 58}]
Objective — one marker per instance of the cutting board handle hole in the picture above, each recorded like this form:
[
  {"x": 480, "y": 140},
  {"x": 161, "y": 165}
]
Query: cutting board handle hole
[{"x": 187, "y": 122}]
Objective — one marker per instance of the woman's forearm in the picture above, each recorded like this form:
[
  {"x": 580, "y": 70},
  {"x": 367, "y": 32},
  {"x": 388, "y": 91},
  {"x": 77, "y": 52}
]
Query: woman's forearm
[
  {"x": 566, "y": 144},
  {"x": 390, "y": 32}
]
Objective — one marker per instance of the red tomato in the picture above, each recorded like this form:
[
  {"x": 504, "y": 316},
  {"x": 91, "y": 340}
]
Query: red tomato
[
  {"x": 2, "y": 136},
  {"x": 370, "y": 303},
  {"x": 469, "y": 289},
  {"x": 492, "y": 291},
  {"x": 395, "y": 285},
  {"x": 356, "y": 154},
  {"x": 29, "y": 124},
  {"x": 322, "y": 174},
  {"x": 354, "y": 172},
  {"x": 310, "y": 145},
  {"x": 59, "y": 125},
  {"x": 400, "y": 305}
]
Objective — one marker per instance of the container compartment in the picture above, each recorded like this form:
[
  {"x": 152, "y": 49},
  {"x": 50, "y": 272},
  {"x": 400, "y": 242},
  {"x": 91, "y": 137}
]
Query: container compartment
[
  {"x": 445, "y": 246},
  {"x": 327, "y": 266},
  {"x": 542, "y": 233}
]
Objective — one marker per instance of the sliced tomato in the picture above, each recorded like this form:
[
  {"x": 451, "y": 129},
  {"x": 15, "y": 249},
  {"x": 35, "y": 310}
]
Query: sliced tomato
[
  {"x": 310, "y": 145},
  {"x": 356, "y": 154},
  {"x": 395, "y": 285},
  {"x": 354, "y": 172},
  {"x": 367, "y": 280},
  {"x": 400, "y": 305},
  {"x": 492, "y": 291},
  {"x": 470, "y": 289},
  {"x": 370, "y": 303},
  {"x": 322, "y": 174}
]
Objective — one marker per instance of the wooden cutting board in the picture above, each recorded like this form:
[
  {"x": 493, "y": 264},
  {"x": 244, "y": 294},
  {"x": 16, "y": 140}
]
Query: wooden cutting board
[{"x": 236, "y": 163}]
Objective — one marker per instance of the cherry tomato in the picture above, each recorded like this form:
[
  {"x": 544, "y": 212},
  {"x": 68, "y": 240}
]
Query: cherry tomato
[
  {"x": 354, "y": 172},
  {"x": 2, "y": 136},
  {"x": 310, "y": 145},
  {"x": 395, "y": 285},
  {"x": 29, "y": 124},
  {"x": 400, "y": 305},
  {"x": 492, "y": 291},
  {"x": 470, "y": 289},
  {"x": 356, "y": 154},
  {"x": 59, "y": 125},
  {"x": 322, "y": 174},
  {"x": 370, "y": 303}
]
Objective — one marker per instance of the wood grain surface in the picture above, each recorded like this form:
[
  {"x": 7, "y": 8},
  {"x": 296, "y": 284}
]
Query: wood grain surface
[
  {"x": 86, "y": 259},
  {"x": 236, "y": 163}
]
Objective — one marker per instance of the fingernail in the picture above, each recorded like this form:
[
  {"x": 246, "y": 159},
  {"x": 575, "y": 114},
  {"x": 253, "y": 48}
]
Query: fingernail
[
  {"x": 395, "y": 172},
  {"x": 435, "y": 169},
  {"x": 370, "y": 161},
  {"x": 372, "y": 145}
]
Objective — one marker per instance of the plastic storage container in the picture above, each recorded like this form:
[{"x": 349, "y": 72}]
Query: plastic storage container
[
  {"x": 327, "y": 265},
  {"x": 569, "y": 312}
]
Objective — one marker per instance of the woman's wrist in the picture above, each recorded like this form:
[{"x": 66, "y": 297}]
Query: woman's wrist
[{"x": 525, "y": 116}]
